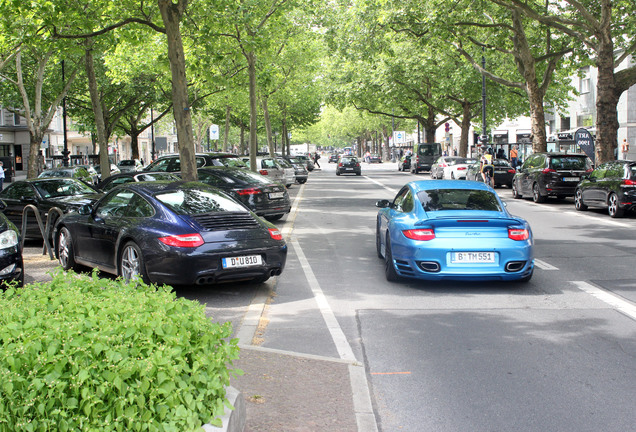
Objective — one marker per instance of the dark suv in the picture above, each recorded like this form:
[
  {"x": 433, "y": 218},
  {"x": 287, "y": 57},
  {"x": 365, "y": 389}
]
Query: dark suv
[
  {"x": 172, "y": 163},
  {"x": 550, "y": 174},
  {"x": 611, "y": 185}
]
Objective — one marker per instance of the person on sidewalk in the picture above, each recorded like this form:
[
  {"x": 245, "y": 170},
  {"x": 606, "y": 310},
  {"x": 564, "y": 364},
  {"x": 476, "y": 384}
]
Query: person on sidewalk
[
  {"x": 2, "y": 170},
  {"x": 514, "y": 156},
  {"x": 624, "y": 149},
  {"x": 316, "y": 157}
]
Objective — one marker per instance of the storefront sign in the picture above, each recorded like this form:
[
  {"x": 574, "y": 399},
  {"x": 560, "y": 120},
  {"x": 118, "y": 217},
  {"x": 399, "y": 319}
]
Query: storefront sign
[{"x": 584, "y": 139}]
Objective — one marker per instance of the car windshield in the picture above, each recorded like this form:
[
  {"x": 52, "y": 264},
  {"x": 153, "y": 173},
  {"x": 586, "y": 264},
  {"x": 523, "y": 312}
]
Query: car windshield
[
  {"x": 56, "y": 173},
  {"x": 198, "y": 201},
  {"x": 458, "y": 199},
  {"x": 58, "y": 188},
  {"x": 632, "y": 170},
  {"x": 568, "y": 163},
  {"x": 156, "y": 176},
  {"x": 126, "y": 163}
]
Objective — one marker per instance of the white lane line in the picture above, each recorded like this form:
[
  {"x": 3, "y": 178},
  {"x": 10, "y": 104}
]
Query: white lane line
[
  {"x": 544, "y": 265},
  {"x": 362, "y": 405},
  {"x": 392, "y": 190},
  {"x": 613, "y": 300},
  {"x": 597, "y": 220},
  {"x": 338, "y": 336}
]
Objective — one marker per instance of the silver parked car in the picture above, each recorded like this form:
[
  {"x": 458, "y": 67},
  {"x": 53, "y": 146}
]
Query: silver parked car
[{"x": 268, "y": 167}]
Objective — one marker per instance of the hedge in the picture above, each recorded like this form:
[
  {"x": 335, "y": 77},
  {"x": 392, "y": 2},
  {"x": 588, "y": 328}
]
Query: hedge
[{"x": 82, "y": 353}]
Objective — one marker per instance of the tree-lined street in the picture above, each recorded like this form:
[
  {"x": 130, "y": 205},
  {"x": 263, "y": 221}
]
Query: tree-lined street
[{"x": 556, "y": 353}]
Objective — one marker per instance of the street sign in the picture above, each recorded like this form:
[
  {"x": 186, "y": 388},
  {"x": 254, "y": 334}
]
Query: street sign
[
  {"x": 214, "y": 132},
  {"x": 584, "y": 139},
  {"x": 399, "y": 137}
]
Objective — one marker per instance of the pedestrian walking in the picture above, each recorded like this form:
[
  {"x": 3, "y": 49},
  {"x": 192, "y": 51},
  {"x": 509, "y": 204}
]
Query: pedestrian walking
[
  {"x": 624, "y": 149},
  {"x": 2, "y": 170},
  {"x": 514, "y": 156},
  {"x": 316, "y": 157}
]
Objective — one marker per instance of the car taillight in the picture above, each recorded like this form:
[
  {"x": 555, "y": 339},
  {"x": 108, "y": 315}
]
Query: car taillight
[
  {"x": 275, "y": 233},
  {"x": 183, "y": 240},
  {"x": 548, "y": 170},
  {"x": 263, "y": 172},
  {"x": 357, "y": 164},
  {"x": 461, "y": 168},
  {"x": 518, "y": 234},
  {"x": 340, "y": 164},
  {"x": 628, "y": 182},
  {"x": 420, "y": 234},
  {"x": 443, "y": 165},
  {"x": 512, "y": 171},
  {"x": 250, "y": 191}
]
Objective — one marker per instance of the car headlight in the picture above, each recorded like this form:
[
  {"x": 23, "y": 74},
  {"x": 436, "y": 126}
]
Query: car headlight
[{"x": 8, "y": 239}]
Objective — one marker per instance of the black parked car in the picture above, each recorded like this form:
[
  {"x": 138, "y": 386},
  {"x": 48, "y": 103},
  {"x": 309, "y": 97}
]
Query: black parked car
[
  {"x": 611, "y": 185},
  {"x": 404, "y": 164},
  {"x": 504, "y": 173},
  {"x": 333, "y": 158},
  {"x": 64, "y": 193},
  {"x": 172, "y": 163},
  {"x": 11, "y": 265},
  {"x": 348, "y": 165},
  {"x": 77, "y": 172},
  {"x": 550, "y": 174},
  {"x": 134, "y": 176},
  {"x": 257, "y": 192},
  {"x": 174, "y": 233}
]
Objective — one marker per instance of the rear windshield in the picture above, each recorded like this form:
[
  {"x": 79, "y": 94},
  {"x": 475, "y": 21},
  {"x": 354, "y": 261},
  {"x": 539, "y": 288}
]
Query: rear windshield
[
  {"x": 568, "y": 163},
  {"x": 58, "y": 188},
  {"x": 429, "y": 149},
  {"x": 455, "y": 161},
  {"x": 229, "y": 161},
  {"x": 632, "y": 171},
  {"x": 458, "y": 199},
  {"x": 198, "y": 201}
]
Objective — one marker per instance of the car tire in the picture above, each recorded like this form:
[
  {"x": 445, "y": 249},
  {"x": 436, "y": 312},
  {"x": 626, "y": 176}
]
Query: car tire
[
  {"x": 359, "y": 173},
  {"x": 578, "y": 201},
  {"x": 378, "y": 243},
  {"x": 131, "y": 263},
  {"x": 614, "y": 210},
  {"x": 65, "y": 251},
  {"x": 337, "y": 172},
  {"x": 389, "y": 266},
  {"x": 536, "y": 194},
  {"x": 515, "y": 191},
  {"x": 273, "y": 218},
  {"x": 527, "y": 278},
  {"x": 302, "y": 181}
]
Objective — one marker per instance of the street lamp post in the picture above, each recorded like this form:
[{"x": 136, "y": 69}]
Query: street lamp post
[
  {"x": 65, "y": 152},
  {"x": 152, "y": 134},
  {"x": 484, "y": 135}
]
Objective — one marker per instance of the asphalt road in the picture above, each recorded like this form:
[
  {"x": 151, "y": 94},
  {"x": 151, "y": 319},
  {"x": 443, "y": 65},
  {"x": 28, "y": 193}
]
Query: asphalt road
[{"x": 558, "y": 353}]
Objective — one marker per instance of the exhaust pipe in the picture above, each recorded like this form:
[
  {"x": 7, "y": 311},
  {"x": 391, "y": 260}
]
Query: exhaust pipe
[{"x": 515, "y": 266}]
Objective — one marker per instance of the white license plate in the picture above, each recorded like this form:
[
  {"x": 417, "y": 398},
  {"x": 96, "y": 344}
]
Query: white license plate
[
  {"x": 571, "y": 179},
  {"x": 276, "y": 195},
  {"x": 472, "y": 257},
  {"x": 242, "y": 261},
  {"x": 349, "y": 169}
]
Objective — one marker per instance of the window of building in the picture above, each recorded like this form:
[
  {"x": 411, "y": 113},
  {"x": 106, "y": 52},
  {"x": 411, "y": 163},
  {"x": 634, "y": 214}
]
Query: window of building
[
  {"x": 565, "y": 123},
  {"x": 584, "y": 80}
]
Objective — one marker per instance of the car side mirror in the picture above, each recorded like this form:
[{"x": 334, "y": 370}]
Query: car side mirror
[
  {"x": 383, "y": 203},
  {"x": 85, "y": 210}
]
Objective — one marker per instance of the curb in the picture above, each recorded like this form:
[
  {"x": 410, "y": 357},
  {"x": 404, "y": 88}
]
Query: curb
[{"x": 234, "y": 420}]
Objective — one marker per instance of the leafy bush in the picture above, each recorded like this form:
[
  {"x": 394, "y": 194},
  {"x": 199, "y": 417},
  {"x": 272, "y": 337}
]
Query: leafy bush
[{"x": 82, "y": 353}]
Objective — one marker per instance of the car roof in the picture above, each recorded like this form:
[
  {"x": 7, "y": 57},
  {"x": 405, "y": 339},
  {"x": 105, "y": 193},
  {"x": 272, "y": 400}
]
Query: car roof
[{"x": 423, "y": 185}]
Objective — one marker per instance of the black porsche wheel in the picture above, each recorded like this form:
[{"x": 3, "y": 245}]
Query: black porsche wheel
[
  {"x": 65, "y": 251},
  {"x": 578, "y": 201},
  {"x": 389, "y": 266},
  {"x": 131, "y": 263}
]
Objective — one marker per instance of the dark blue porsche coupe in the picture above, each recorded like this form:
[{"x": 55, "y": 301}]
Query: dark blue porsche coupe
[
  {"x": 175, "y": 233},
  {"x": 450, "y": 230}
]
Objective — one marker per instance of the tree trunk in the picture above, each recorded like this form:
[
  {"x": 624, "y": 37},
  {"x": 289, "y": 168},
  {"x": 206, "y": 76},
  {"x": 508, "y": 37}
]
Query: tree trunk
[
  {"x": 251, "y": 66},
  {"x": 242, "y": 149},
  {"x": 171, "y": 14},
  {"x": 466, "y": 120},
  {"x": 96, "y": 103},
  {"x": 268, "y": 128},
  {"x": 606, "y": 100},
  {"x": 226, "y": 137}
]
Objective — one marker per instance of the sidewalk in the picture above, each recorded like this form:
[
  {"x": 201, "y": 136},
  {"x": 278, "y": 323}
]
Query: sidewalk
[{"x": 285, "y": 392}]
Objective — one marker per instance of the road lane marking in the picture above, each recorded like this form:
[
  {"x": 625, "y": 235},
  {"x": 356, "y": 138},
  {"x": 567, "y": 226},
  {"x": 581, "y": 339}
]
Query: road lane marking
[
  {"x": 605, "y": 296},
  {"x": 392, "y": 190},
  {"x": 544, "y": 265},
  {"x": 365, "y": 417},
  {"x": 390, "y": 373}
]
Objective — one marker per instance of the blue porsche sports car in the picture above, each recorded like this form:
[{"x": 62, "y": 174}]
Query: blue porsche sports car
[{"x": 450, "y": 230}]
